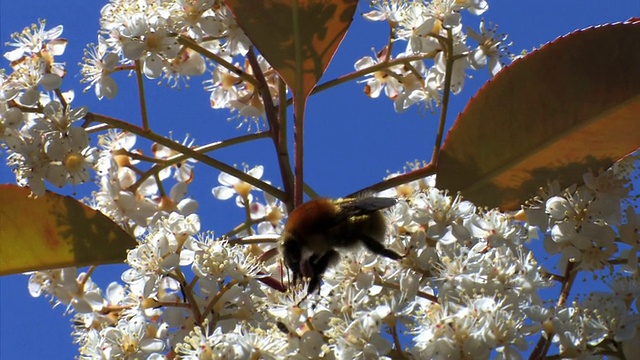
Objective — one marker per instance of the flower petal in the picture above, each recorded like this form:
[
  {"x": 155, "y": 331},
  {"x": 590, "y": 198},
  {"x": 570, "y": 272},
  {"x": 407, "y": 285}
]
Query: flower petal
[{"x": 222, "y": 192}]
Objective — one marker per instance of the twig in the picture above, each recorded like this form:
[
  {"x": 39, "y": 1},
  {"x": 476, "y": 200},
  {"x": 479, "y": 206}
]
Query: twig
[
  {"x": 279, "y": 194},
  {"x": 282, "y": 146},
  {"x": 542, "y": 347},
  {"x": 178, "y": 158},
  {"x": 425, "y": 171},
  {"x": 141, "y": 96},
  {"x": 445, "y": 98},
  {"x": 277, "y": 129},
  {"x": 188, "y": 42}
]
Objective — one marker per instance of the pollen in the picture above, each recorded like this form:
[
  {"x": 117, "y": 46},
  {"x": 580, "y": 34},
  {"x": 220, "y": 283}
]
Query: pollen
[
  {"x": 152, "y": 41},
  {"x": 242, "y": 188},
  {"x": 274, "y": 216},
  {"x": 73, "y": 162}
]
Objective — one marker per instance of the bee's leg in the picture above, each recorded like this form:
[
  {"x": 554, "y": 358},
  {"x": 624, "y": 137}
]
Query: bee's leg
[
  {"x": 319, "y": 265},
  {"x": 380, "y": 249}
]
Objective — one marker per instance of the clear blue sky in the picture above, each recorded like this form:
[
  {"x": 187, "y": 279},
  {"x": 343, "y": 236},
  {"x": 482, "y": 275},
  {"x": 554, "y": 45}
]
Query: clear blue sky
[{"x": 351, "y": 141}]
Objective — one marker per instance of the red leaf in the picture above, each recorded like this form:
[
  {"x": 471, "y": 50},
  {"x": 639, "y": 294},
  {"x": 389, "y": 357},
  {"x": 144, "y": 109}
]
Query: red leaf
[
  {"x": 298, "y": 38},
  {"x": 571, "y": 106}
]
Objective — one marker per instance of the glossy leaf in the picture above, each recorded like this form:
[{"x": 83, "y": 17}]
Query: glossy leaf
[
  {"x": 54, "y": 231},
  {"x": 298, "y": 38},
  {"x": 571, "y": 106}
]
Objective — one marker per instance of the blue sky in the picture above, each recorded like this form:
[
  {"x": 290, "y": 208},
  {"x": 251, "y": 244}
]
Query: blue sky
[{"x": 351, "y": 140}]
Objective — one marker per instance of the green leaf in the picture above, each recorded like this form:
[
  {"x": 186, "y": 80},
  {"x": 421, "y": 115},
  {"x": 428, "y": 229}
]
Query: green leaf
[
  {"x": 571, "y": 106},
  {"x": 54, "y": 231}
]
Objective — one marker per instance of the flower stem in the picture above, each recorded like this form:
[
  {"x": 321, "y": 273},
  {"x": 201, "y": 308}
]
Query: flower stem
[
  {"x": 187, "y": 292},
  {"x": 141, "y": 97},
  {"x": 445, "y": 97},
  {"x": 215, "y": 299}
]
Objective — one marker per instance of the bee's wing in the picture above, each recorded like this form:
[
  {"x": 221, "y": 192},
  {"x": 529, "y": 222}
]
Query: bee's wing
[{"x": 363, "y": 206}]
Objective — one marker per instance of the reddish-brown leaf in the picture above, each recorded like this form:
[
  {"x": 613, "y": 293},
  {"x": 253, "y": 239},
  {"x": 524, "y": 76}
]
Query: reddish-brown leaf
[
  {"x": 571, "y": 106},
  {"x": 298, "y": 38},
  {"x": 54, "y": 231}
]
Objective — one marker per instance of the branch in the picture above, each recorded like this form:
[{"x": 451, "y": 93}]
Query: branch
[
  {"x": 542, "y": 347},
  {"x": 188, "y": 42},
  {"x": 265, "y": 94},
  {"x": 279, "y": 194},
  {"x": 445, "y": 98},
  {"x": 141, "y": 97},
  {"x": 179, "y": 276},
  {"x": 276, "y": 131},
  {"x": 425, "y": 171},
  {"x": 178, "y": 158},
  {"x": 380, "y": 66},
  {"x": 254, "y": 239}
]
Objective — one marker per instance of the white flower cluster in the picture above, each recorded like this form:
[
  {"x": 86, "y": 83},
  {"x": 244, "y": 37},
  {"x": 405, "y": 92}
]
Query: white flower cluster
[
  {"x": 426, "y": 27},
  {"x": 230, "y": 91},
  {"x": 39, "y": 129},
  {"x": 37, "y": 124},
  {"x": 469, "y": 287},
  {"x": 131, "y": 200},
  {"x": 149, "y": 32}
]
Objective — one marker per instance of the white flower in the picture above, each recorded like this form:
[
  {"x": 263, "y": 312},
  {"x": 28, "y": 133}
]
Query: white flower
[
  {"x": 11, "y": 119},
  {"x": 97, "y": 68},
  {"x": 273, "y": 213},
  {"x": 218, "y": 344},
  {"x": 71, "y": 157},
  {"x": 68, "y": 288},
  {"x": 60, "y": 119},
  {"x": 490, "y": 46},
  {"x": 382, "y": 79},
  {"x": 224, "y": 87},
  {"x": 188, "y": 63},
  {"x": 495, "y": 229},
  {"x": 417, "y": 28},
  {"x": 35, "y": 40},
  {"x": 439, "y": 210},
  {"x": 148, "y": 38},
  {"x": 197, "y": 18},
  {"x": 236, "y": 42},
  {"x": 130, "y": 340},
  {"x": 393, "y": 11},
  {"x": 458, "y": 71},
  {"x": 232, "y": 185},
  {"x": 427, "y": 93},
  {"x": 29, "y": 74}
]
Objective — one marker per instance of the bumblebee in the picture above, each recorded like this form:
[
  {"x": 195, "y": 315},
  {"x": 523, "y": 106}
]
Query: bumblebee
[{"x": 318, "y": 229}]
